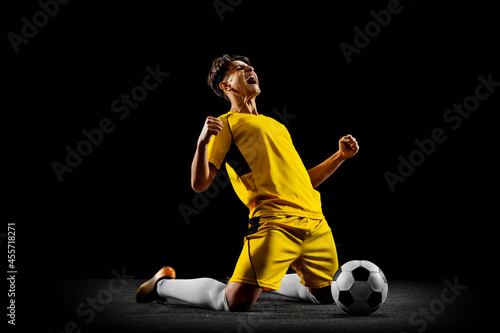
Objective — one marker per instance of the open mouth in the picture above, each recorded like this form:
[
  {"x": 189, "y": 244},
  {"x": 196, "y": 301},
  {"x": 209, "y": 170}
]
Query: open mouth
[{"x": 251, "y": 79}]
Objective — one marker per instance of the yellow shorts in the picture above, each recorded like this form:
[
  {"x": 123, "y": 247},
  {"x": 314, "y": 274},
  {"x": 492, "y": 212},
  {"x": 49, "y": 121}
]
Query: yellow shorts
[{"x": 276, "y": 243}]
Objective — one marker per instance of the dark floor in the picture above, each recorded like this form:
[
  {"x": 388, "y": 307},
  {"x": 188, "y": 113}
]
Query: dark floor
[{"x": 412, "y": 306}]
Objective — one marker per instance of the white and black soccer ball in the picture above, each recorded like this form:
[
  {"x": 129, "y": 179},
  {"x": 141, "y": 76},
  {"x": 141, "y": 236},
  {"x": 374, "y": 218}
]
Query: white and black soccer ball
[{"x": 359, "y": 287}]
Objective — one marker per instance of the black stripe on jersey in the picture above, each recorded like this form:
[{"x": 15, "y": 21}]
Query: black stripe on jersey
[{"x": 235, "y": 158}]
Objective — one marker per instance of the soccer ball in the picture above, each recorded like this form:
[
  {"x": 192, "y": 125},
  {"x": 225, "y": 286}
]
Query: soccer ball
[{"x": 359, "y": 287}]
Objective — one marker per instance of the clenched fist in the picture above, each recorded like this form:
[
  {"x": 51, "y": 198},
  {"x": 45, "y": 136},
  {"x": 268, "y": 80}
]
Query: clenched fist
[
  {"x": 348, "y": 146},
  {"x": 212, "y": 127}
]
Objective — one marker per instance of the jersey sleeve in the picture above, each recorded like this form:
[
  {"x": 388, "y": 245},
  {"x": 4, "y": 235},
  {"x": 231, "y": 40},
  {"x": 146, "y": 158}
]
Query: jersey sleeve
[{"x": 220, "y": 144}]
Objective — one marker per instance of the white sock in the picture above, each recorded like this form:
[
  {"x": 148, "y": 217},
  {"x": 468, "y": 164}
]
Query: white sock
[
  {"x": 291, "y": 287},
  {"x": 204, "y": 292}
]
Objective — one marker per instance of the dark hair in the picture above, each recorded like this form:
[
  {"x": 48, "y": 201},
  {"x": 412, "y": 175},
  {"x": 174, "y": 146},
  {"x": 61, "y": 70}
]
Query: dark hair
[{"x": 219, "y": 68}]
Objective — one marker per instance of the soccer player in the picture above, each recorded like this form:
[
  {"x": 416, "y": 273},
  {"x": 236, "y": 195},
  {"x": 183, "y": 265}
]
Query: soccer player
[{"x": 286, "y": 227}]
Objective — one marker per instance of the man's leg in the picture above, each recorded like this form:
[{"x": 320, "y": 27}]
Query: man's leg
[
  {"x": 203, "y": 292},
  {"x": 211, "y": 294},
  {"x": 241, "y": 296},
  {"x": 291, "y": 287},
  {"x": 317, "y": 264}
]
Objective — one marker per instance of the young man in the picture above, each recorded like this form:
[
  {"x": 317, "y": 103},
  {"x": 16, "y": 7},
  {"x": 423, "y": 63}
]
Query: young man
[{"x": 287, "y": 227}]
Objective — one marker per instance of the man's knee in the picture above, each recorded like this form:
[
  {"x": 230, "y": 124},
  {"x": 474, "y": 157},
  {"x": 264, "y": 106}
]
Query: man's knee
[
  {"x": 240, "y": 305},
  {"x": 241, "y": 297}
]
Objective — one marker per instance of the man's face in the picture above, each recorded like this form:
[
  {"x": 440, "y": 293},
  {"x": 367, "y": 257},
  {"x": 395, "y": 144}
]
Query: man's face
[{"x": 242, "y": 80}]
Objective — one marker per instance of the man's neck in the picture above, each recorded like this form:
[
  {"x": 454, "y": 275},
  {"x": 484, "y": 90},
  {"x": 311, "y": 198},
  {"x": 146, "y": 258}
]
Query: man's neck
[{"x": 244, "y": 106}]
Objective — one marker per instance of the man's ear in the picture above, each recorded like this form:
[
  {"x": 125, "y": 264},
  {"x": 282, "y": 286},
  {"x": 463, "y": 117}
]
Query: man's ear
[{"x": 225, "y": 86}]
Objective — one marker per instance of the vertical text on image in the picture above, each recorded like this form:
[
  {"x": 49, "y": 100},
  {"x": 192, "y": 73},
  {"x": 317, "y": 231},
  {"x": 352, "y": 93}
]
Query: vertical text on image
[{"x": 11, "y": 272}]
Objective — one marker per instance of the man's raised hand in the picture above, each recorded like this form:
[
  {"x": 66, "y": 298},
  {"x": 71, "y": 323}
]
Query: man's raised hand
[
  {"x": 348, "y": 146},
  {"x": 211, "y": 127}
]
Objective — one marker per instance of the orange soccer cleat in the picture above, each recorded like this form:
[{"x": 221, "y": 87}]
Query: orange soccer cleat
[{"x": 147, "y": 291}]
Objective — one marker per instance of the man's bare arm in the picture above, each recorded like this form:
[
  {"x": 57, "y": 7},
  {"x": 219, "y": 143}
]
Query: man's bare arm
[
  {"x": 203, "y": 172},
  {"x": 348, "y": 147}
]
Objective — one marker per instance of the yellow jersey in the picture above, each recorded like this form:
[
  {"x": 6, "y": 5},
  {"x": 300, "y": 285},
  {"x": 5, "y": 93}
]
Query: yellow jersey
[{"x": 264, "y": 167}]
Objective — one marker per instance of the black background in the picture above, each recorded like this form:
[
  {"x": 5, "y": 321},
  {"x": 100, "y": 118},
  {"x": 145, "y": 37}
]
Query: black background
[{"x": 120, "y": 206}]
